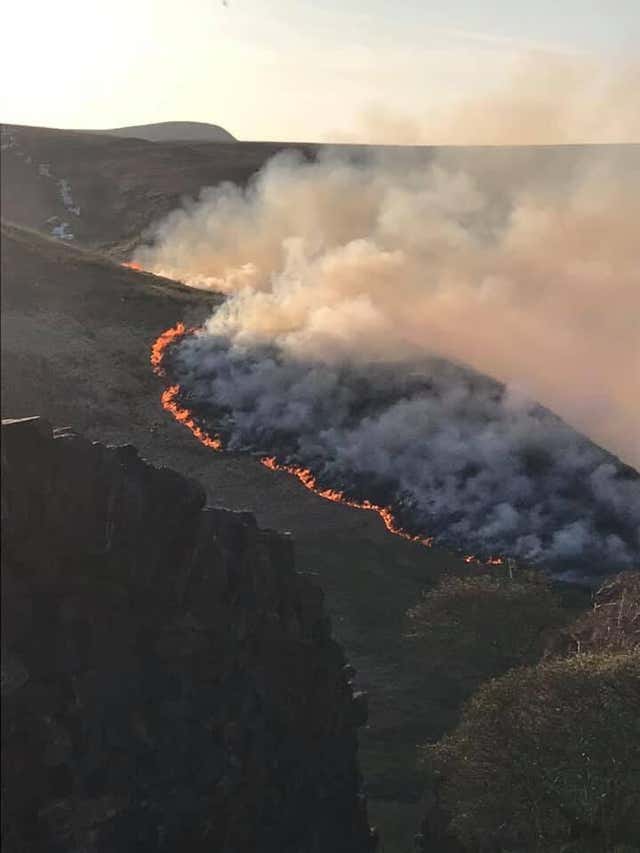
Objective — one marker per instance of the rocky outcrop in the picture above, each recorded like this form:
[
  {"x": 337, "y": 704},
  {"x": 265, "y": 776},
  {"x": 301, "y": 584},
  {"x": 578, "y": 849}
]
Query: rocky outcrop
[{"x": 169, "y": 682}]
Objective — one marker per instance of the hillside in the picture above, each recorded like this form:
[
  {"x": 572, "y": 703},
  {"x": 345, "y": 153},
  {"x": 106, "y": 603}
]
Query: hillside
[
  {"x": 75, "y": 344},
  {"x": 105, "y": 191},
  {"x": 76, "y": 336},
  {"x": 174, "y": 131}
]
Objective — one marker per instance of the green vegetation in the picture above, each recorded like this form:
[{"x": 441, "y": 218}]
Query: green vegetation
[
  {"x": 548, "y": 755},
  {"x": 475, "y": 627},
  {"x": 469, "y": 626},
  {"x": 472, "y": 625}
]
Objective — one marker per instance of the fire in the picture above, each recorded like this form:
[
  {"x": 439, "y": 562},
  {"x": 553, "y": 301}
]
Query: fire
[
  {"x": 308, "y": 480},
  {"x": 490, "y": 561},
  {"x": 170, "y": 404},
  {"x": 158, "y": 350},
  {"x": 169, "y": 400},
  {"x": 170, "y": 395},
  {"x": 132, "y": 265}
]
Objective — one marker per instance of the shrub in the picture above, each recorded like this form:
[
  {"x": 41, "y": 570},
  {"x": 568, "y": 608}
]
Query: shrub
[
  {"x": 547, "y": 756},
  {"x": 613, "y": 624},
  {"x": 479, "y": 626}
]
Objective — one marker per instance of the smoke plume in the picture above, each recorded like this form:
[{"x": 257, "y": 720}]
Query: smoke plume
[
  {"x": 355, "y": 286},
  {"x": 543, "y": 99}
]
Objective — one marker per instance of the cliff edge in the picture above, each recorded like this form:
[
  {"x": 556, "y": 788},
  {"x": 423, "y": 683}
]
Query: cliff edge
[{"x": 169, "y": 681}]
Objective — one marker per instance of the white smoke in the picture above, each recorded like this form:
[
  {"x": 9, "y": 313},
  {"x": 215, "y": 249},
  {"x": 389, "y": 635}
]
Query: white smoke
[
  {"x": 349, "y": 279},
  {"x": 524, "y": 266},
  {"x": 541, "y": 99}
]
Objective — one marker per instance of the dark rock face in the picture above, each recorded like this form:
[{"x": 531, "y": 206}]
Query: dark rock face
[{"x": 169, "y": 682}]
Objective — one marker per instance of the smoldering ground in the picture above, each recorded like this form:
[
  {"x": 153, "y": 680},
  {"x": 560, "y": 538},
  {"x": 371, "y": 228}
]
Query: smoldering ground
[
  {"x": 450, "y": 451},
  {"x": 346, "y": 274}
]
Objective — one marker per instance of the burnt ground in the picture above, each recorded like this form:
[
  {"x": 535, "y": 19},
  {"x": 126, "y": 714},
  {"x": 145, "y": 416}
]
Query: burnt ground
[{"x": 76, "y": 332}]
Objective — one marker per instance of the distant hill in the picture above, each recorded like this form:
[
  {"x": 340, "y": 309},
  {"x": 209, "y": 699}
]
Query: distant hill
[{"x": 175, "y": 131}]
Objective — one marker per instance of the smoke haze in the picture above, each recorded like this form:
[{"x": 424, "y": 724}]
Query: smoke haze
[
  {"x": 360, "y": 292},
  {"x": 545, "y": 99},
  {"x": 528, "y": 274}
]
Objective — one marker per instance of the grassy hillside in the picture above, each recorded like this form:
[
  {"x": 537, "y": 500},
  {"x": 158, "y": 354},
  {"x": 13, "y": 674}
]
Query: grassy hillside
[
  {"x": 76, "y": 335},
  {"x": 75, "y": 340}
]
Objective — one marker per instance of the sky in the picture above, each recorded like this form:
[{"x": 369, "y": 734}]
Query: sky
[{"x": 298, "y": 69}]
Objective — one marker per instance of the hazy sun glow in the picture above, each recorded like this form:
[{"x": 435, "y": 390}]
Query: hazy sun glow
[{"x": 288, "y": 69}]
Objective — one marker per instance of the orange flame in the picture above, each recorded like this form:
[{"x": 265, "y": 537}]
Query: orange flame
[
  {"x": 490, "y": 561},
  {"x": 170, "y": 395},
  {"x": 132, "y": 265},
  {"x": 158, "y": 350},
  {"x": 309, "y": 482},
  {"x": 170, "y": 404}
]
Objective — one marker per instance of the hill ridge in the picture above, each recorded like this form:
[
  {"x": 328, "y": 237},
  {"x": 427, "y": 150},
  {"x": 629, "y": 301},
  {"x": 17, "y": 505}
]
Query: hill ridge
[{"x": 173, "y": 131}]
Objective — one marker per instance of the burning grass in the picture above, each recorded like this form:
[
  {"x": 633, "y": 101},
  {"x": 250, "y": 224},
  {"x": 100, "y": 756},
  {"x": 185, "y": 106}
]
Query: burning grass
[
  {"x": 159, "y": 348},
  {"x": 171, "y": 402},
  {"x": 308, "y": 480}
]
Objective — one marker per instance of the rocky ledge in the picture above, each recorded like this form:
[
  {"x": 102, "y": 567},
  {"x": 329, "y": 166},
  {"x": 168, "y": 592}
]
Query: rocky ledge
[{"x": 169, "y": 681}]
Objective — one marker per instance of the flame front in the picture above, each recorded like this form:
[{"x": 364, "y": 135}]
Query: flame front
[
  {"x": 132, "y": 265},
  {"x": 170, "y": 403},
  {"x": 171, "y": 395},
  {"x": 308, "y": 480},
  {"x": 158, "y": 350}
]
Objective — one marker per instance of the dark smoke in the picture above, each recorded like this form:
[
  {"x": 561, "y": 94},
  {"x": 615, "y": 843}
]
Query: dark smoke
[{"x": 455, "y": 454}]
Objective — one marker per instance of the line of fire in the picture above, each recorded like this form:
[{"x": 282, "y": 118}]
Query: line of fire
[{"x": 170, "y": 400}]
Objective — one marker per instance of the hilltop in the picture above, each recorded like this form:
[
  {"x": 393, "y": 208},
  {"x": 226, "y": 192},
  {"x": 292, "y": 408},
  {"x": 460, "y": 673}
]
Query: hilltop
[{"x": 174, "y": 131}]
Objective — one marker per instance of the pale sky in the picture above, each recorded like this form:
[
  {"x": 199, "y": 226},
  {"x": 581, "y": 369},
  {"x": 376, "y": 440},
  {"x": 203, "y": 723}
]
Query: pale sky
[{"x": 285, "y": 69}]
